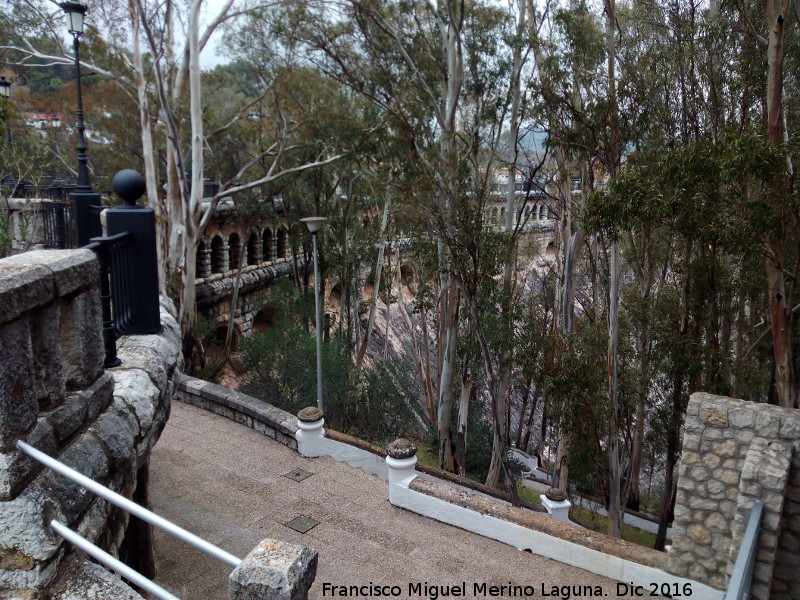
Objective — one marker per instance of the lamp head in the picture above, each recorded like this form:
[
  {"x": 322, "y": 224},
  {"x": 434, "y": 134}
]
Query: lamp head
[
  {"x": 5, "y": 87},
  {"x": 75, "y": 11},
  {"x": 314, "y": 224}
]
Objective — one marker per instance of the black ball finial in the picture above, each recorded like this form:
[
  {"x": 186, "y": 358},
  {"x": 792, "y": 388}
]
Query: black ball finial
[{"x": 129, "y": 185}]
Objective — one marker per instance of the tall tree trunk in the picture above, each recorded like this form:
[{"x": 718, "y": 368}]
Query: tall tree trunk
[
  {"x": 615, "y": 504},
  {"x": 504, "y": 383},
  {"x": 148, "y": 149},
  {"x": 461, "y": 432},
  {"x": 785, "y": 385},
  {"x": 424, "y": 374},
  {"x": 477, "y": 324},
  {"x": 447, "y": 351},
  {"x": 362, "y": 351}
]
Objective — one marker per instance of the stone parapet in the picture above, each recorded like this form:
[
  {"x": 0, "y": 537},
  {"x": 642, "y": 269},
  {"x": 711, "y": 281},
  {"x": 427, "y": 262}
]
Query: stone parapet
[
  {"x": 733, "y": 453},
  {"x": 56, "y": 396},
  {"x": 256, "y": 414}
]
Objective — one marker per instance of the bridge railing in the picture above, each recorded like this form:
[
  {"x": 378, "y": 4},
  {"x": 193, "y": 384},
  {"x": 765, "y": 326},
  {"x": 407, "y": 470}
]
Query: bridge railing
[
  {"x": 132, "y": 508},
  {"x": 127, "y": 255},
  {"x": 742, "y": 576},
  {"x": 273, "y": 569}
]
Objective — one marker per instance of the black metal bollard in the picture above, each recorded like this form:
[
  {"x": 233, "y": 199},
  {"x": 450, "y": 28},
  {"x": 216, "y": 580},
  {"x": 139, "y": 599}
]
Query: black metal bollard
[
  {"x": 87, "y": 219},
  {"x": 140, "y": 223}
]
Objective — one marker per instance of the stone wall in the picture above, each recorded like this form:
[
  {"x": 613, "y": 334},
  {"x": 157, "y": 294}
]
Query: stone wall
[
  {"x": 215, "y": 292},
  {"x": 26, "y": 224},
  {"x": 56, "y": 396},
  {"x": 735, "y": 452}
]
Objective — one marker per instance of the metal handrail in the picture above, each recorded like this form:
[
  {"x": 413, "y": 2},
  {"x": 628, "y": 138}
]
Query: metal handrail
[
  {"x": 741, "y": 578},
  {"x": 112, "y": 563},
  {"x": 129, "y": 506}
]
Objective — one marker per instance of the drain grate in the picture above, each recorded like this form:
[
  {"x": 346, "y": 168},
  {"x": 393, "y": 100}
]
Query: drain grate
[
  {"x": 298, "y": 474},
  {"x": 302, "y": 524}
]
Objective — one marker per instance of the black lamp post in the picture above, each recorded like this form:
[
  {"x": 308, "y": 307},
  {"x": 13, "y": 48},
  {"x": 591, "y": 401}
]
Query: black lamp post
[
  {"x": 84, "y": 197},
  {"x": 76, "y": 11},
  {"x": 5, "y": 92},
  {"x": 314, "y": 224}
]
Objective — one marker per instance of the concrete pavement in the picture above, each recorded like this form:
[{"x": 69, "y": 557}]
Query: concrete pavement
[{"x": 225, "y": 482}]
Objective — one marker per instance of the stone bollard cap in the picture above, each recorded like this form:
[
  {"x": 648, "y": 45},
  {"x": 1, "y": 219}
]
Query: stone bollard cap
[
  {"x": 401, "y": 448},
  {"x": 310, "y": 414},
  {"x": 556, "y": 495}
]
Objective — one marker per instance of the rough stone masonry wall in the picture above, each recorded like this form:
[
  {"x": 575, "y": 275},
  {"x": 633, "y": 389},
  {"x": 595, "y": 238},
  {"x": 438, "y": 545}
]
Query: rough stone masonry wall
[
  {"x": 735, "y": 452},
  {"x": 56, "y": 396}
]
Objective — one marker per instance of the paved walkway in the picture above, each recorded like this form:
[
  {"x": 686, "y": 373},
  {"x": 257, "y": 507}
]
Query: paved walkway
[{"x": 225, "y": 482}]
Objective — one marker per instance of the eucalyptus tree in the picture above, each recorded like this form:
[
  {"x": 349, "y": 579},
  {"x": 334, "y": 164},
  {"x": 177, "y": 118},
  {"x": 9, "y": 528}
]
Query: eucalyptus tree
[{"x": 158, "y": 63}]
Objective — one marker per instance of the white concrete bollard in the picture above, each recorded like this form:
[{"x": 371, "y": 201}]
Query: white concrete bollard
[
  {"x": 401, "y": 462},
  {"x": 310, "y": 434},
  {"x": 556, "y": 503}
]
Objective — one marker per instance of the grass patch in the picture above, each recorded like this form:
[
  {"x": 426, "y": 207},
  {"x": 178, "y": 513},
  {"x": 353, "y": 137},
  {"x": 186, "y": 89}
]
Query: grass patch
[
  {"x": 528, "y": 494},
  {"x": 600, "y": 523}
]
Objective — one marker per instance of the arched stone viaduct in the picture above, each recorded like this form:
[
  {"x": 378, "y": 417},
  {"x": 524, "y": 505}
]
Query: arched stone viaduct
[{"x": 267, "y": 253}]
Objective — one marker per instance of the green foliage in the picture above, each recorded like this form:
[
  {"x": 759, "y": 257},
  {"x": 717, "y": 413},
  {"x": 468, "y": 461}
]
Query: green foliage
[
  {"x": 720, "y": 192},
  {"x": 281, "y": 369}
]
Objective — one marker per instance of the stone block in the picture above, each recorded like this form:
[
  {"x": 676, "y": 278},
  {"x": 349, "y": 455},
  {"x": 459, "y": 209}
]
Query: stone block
[
  {"x": 714, "y": 414},
  {"x": 81, "y": 339},
  {"x": 725, "y": 449},
  {"x": 24, "y": 523},
  {"x": 67, "y": 418},
  {"x": 790, "y": 427},
  {"x": 135, "y": 388},
  {"x": 741, "y": 418},
  {"x": 153, "y": 354},
  {"x": 716, "y": 487},
  {"x": 274, "y": 570},
  {"x": 117, "y": 429},
  {"x": 46, "y": 351},
  {"x": 23, "y": 288},
  {"x": 710, "y": 434},
  {"x": 78, "y": 579},
  {"x": 18, "y": 404},
  {"x": 16, "y": 468},
  {"x": 693, "y": 424},
  {"x": 691, "y": 441},
  {"x": 768, "y": 424},
  {"x": 87, "y": 456},
  {"x": 727, "y": 476},
  {"x": 69, "y": 270},
  {"x": 98, "y": 396}
]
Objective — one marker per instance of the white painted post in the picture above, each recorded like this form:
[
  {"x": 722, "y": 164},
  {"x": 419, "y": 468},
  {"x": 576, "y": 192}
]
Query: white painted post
[
  {"x": 556, "y": 503},
  {"x": 310, "y": 435},
  {"x": 401, "y": 462}
]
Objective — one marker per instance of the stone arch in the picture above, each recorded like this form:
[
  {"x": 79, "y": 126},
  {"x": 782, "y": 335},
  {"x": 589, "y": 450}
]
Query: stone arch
[
  {"x": 200, "y": 260},
  {"x": 234, "y": 250},
  {"x": 219, "y": 264},
  {"x": 266, "y": 243},
  {"x": 406, "y": 273},
  {"x": 253, "y": 251},
  {"x": 222, "y": 331},
  {"x": 503, "y": 216},
  {"x": 281, "y": 251},
  {"x": 264, "y": 319},
  {"x": 550, "y": 252}
]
